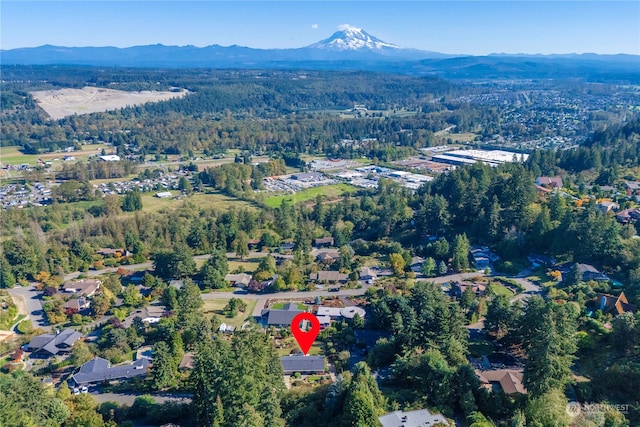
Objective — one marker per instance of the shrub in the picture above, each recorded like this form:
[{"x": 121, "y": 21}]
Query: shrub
[{"x": 24, "y": 327}]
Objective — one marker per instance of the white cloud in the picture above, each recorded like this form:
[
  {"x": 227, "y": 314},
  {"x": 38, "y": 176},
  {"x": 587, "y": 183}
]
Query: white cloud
[
  {"x": 345, "y": 27},
  {"x": 314, "y": 26}
]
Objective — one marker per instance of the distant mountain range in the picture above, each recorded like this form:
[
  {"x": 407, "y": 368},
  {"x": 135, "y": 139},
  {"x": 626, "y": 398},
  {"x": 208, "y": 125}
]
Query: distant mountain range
[{"x": 348, "y": 48}]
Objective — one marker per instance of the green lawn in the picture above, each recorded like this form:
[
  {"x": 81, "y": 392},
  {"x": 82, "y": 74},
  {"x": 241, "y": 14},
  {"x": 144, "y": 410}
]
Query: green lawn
[
  {"x": 499, "y": 289},
  {"x": 247, "y": 266},
  {"x": 12, "y": 154},
  {"x": 214, "y": 307},
  {"x": 280, "y": 306},
  {"x": 329, "y": 191}
]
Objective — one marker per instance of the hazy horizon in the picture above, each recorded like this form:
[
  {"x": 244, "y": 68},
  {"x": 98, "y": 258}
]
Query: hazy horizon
[{"x": 457, "y": 27}]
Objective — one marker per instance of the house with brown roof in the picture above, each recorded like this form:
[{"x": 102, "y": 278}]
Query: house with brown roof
[
  {"x": 549, "y": 181},
  {"x": 115, "y": 253},
  {"x": 614, "y": 305},
  {"x": 328, "y": 256},
  {"x": 628, "y": 216},
  {"x": 509, "y": 380},
  {"x": 77, "y": 304},
  {"x": 632, "y": 187},
  {"x": 323, "y": 242},
  {"x": 84, "y": 287}
]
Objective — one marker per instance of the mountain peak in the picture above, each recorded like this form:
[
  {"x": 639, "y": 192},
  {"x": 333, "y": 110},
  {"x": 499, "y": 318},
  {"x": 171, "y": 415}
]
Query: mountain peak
[{"x": 352, "y": 38}]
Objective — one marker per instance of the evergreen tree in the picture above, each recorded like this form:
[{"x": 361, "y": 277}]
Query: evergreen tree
[
  {"x": 241, "y": 244},
  {"x": 550, "y": 343},
  {"x": 442, "y": 268},
  {"x": 461, "y": 248},
  {"x": 132, "y": 201},
  {"x": 7, "y": 279},
  {"x": 163, "y": 373},
  {"x": 429, "y": 267},
  {"x": 213, "y": 271}
]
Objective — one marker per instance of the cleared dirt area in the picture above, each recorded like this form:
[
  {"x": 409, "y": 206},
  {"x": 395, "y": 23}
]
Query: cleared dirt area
[{"x": 67, "y": 102}]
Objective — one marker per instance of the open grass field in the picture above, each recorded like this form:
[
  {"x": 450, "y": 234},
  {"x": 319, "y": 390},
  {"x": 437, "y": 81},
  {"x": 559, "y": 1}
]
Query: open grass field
[
  {"x": 214, "y": 307},
  {"x": 216, "y": 200},
  {"x": 329, "y": 191},
  {"x": 459, "y": 137},
  {"x": 12, "y": 155},
  {"x": 61, "y": 103}
]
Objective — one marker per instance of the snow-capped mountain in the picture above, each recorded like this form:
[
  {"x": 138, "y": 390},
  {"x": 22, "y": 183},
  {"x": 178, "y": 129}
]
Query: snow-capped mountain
[{"x": 352, "y": 38}]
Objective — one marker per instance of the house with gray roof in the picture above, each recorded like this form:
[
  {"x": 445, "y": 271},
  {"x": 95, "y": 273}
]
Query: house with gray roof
[
  {"x": 302, "y": 364},
  {"x": 54, "y": 344},
  {"x": 99, "y": 370},
  {"x": 281, "y": 317}
]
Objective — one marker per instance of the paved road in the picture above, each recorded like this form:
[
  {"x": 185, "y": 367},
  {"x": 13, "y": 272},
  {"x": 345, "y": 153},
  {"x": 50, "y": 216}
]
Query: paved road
[{"x": 28, "y": 298}]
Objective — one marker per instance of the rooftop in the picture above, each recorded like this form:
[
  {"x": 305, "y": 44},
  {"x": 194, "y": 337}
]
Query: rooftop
[
  {"x": 419, "y": 418},
  {"x": 291, "y": 364},
  {"x": 99, "y": 369}
]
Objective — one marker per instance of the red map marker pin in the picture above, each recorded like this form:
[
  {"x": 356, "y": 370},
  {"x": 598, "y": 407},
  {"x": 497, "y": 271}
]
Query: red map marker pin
[{"x": 305, "y": 339}]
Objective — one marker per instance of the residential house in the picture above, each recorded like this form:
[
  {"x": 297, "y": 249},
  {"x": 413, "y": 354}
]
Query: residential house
[
  {"x": 367, "y": 273},
  {"x": 187, "y": 361},
  {"x": 325, "y": 321},
  {"x": 100, "y": 370},
  {"x": 352, "y": 311},
  {"x": 76, "y": 305},
  {"x": 539, "y": 259},
  {"x": 483, "y": 257},
  {"x": 303, "y": 364},
  {"x": 628, "y": 216},
  {"x": 509, "y": 380},
  {"x": 329, "y": 277},
  {"x": 606, "y": 206},
  {"x": 632, "y": 188},
  {"x": 240, "y": 280},
  {"x": 287, "y": 246},
  {"x": 549, "y": 181},
  {"x": 53, "y": 344},
  {"x": 114, "y": 253},
  {"x": 253, "y": 244},
  {"x": 329, "y": 311},
  {"x": 614, "y": 305},
  {"x": 283, "y": 317},
  {"x": 418, "y": 418},
  {"x": 479, "y": 289},
  {"x": 85, "y": 287},
  {"x": 323, "y": 242},
  {"x": 589, "y": 272},
  {"x": 328, "y": 256}
]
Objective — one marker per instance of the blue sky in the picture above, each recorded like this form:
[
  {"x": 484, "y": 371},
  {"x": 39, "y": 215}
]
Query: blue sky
[{"x": 470, "y": 27}]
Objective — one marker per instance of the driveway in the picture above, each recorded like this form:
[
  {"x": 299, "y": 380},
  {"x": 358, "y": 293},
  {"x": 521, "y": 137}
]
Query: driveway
[{"x": 30, "y": 302}]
